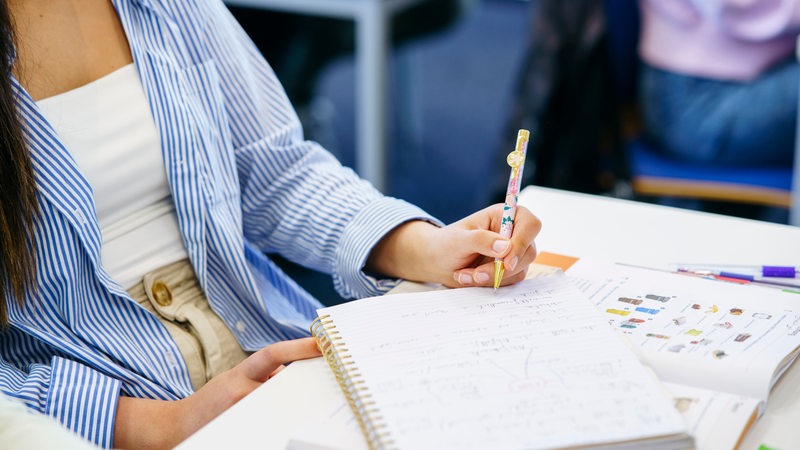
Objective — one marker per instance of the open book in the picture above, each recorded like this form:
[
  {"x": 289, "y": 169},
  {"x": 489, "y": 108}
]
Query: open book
[
  {"x": 530, "y": 366},
  {"x": 719, "y": 347}
]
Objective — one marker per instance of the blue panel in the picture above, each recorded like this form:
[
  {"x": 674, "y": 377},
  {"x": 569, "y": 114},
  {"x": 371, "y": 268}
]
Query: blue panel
[{"x": 646, "y": 162}]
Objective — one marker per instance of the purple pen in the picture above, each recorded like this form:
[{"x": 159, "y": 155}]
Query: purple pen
[{"x": 753, "y": 271}]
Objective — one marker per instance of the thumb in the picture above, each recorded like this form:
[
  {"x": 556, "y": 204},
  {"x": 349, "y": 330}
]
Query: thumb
[
  {"x": 261, "y": 364},
  {"x": 488, "y": 243}
]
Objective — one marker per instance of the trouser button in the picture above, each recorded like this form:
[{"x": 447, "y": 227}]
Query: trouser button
[{"x": 161, "y": 293}]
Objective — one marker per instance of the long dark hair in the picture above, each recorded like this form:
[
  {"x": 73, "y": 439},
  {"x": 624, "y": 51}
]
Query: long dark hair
[{"x": 18, "y": 204}]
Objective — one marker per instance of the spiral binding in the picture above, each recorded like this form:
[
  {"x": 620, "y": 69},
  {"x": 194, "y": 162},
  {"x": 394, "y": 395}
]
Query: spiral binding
[{"x": 349, "y": 379}]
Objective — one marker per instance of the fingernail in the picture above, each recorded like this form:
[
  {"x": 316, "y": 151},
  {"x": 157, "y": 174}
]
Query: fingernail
[
  {"x": 511, "y": 263},
  {"x": 464, "y": 279},
  {"x": 482, "y": 277},
  {"x": 500, "y": 246}
]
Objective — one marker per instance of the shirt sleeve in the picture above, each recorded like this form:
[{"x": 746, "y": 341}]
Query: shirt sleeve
[
  {"x": 82, "y": 399},
  {"x": 297, "y": 199}
]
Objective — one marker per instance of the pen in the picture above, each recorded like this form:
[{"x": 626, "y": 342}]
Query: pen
[
  {"x": 758, "y": 271},
  {"x": 793, "y": 288},
  {"x": 516, "y": 160},
  {"x": 785, "y": 285},
  {"x": 785, "y": 282}
]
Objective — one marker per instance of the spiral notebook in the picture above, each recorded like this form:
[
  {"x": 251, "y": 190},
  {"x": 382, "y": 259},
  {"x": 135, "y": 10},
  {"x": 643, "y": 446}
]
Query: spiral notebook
[{"x": 530, "y": 366}]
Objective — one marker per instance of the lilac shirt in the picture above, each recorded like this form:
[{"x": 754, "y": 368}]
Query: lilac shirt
[{"x": 718, "y": 39}]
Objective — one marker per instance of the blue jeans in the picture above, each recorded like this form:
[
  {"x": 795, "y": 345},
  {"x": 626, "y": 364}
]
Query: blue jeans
[{"x": 722, "y": 122}]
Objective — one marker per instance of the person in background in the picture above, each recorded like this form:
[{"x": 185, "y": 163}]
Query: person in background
[
  {"x": 719, "y": 80},
  {"x": 149, "y": 163},
  {"x": 565, "y": 95}
]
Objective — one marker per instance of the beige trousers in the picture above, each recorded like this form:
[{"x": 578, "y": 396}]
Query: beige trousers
[{"x": 173, "y": 294}]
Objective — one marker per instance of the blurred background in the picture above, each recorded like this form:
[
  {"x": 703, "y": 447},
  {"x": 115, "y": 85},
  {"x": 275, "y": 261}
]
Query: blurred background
[
  {"x": 464, "y": 75},
  {"x": 450, "y": 87}
]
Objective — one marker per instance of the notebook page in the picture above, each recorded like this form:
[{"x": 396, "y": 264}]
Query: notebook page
[{"x": 530, "y": 366}]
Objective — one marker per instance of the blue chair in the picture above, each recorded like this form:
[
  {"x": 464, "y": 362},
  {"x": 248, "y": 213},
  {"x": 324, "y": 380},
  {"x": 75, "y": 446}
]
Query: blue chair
[{"x": 655, "y": 175}]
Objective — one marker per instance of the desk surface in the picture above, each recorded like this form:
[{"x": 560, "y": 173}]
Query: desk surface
[
  {"x": 573, "y": 224},
  {"x": 653, "y": 235}
]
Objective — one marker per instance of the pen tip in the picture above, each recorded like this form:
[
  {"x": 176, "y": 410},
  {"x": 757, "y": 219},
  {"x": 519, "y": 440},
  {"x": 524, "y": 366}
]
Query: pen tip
[{"x": 498, "y": 273}]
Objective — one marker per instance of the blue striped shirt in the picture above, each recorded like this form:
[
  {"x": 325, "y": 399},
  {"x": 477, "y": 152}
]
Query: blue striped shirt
[{"x": 244, "y": 182}]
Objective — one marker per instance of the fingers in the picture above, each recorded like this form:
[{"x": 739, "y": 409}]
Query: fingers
[
  {"x": 521, "y": 270},
  {"x": 479, "y": 276},
  {"x": 488, "y": 243},
  {"x": 517, "y": 253},
  {"x": 523, "y": 249},
  {"x": 275, "y": 372},
  {"x": 511, "y": 275},
  {"x": 526, "y": 228},
  {"x": 484, "y": 246},
  {"x": 263, "y": 363}
]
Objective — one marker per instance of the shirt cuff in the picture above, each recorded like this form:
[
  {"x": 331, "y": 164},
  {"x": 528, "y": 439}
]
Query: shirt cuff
[
  {"x": 84, "y": 400},
  {"x": 363, "y": 232}
]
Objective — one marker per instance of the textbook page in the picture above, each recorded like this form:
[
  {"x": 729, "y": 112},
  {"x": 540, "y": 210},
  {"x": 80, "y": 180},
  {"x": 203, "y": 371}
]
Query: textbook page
[
  {"x": 713, "y": 415},
  {"x": 695, "y": 331},
  {"x": 530, "y": 366}
]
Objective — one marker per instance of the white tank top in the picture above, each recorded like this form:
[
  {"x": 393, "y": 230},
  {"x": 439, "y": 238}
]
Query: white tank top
[{"x": 109, "y": 129}]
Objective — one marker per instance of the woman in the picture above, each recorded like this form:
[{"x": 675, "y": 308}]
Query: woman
[
  {"x": 149, "y": 160},
  {"x": 719, "y": 80}
]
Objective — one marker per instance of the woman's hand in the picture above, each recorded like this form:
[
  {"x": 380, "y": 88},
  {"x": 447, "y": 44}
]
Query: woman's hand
[
  {"x": 460, "y": 254},
  {"x": 144, "y": 423}
]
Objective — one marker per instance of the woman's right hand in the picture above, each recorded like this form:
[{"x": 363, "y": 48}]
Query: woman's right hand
[{"x": 144, "y": 423}]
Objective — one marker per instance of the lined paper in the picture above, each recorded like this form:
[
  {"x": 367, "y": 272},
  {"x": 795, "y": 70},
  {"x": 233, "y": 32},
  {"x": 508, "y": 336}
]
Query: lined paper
[{"x": 530, "y": 366}]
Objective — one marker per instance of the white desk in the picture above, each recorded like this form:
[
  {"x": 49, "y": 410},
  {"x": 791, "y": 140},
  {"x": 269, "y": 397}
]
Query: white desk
[
  {"x": 372, "y": 19},
  {"x": 578, "y": 225}
]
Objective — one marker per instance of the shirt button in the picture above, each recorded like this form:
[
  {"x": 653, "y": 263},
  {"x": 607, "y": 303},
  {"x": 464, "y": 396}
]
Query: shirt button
[
  {"x": 81, "y": 217},
  {"x": 161, "y": 293},
  {"x": 240, "y": 325}
]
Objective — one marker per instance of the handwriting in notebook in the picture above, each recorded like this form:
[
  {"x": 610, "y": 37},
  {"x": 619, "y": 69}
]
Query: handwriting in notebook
[{"x": 533, "y": 365}]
